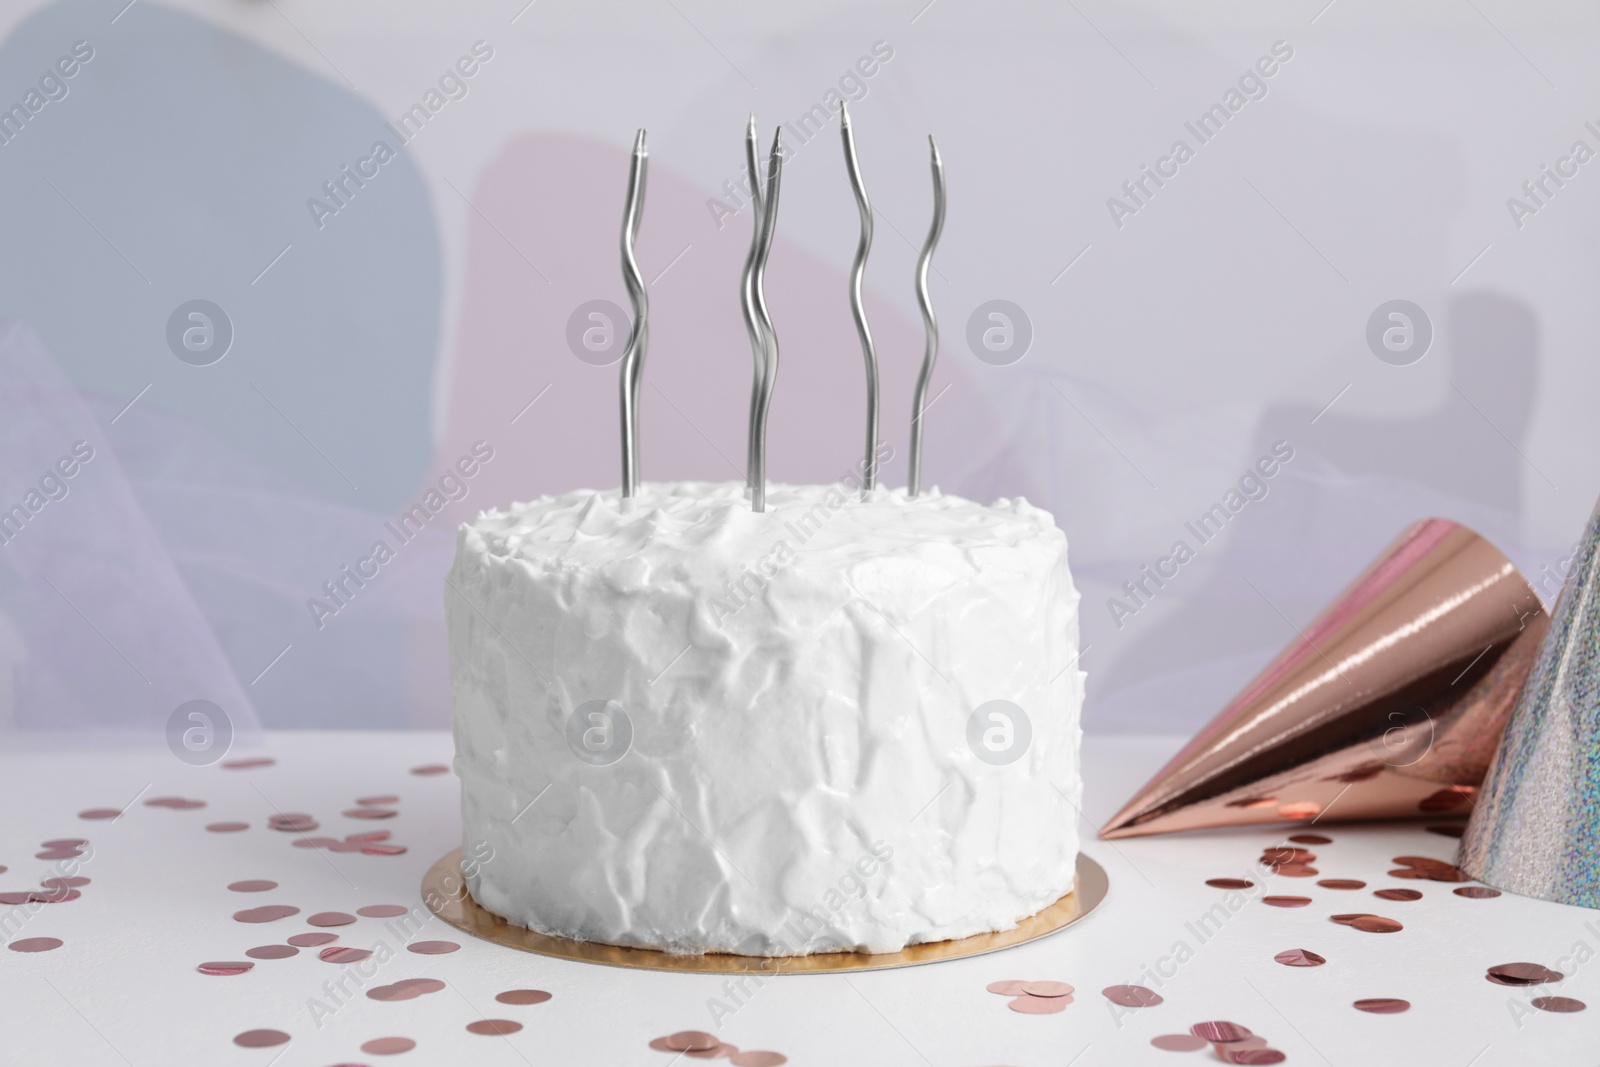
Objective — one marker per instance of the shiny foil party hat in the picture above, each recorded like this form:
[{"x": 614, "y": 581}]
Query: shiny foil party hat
[
  {"x": 1388, "y": 706},
  {"x": 1536, "y": 827}
]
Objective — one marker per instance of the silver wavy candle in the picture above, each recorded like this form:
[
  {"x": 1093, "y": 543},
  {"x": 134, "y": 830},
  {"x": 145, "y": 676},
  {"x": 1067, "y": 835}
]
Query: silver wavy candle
[
  {"x": 930, "y": 325},
  {"x": 766, "y": 224},
  {"x": 639, "y": 331},
  {"x": 747, "y": 293},
  {"x": 858, "y": 269}
]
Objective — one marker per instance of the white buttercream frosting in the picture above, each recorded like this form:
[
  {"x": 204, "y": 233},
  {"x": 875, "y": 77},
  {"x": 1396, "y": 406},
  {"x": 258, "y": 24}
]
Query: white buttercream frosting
[{"x": 799, "y": 686}]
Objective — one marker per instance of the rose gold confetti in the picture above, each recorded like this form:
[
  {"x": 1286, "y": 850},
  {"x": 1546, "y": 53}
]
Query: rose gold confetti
[
  {"x": 311, "y": 939},
  {"x": 432, "y": 948},
  {"x": 689, "y": 1040},
  {"x": 1476, "y": 892},
  {"x": 314, "y": 842},
  {"x": 369, "y": 836},
  {"x": 3, "y": 868},
  {"x": 1398, "y": 894},
  {"x": 16, "y": 898},
  {"x": 758, "y": 1058},
  {"x": 175, "y": 803},
  {"x": 224, "y": 968},
  {"x": 1529, "y": 973},
  {"x": 296, "y": 823},
  {"x": 1449, "y": 874},
  {"x": 1449, "y": 830},
  {"x": 1132, "y": 996},
  {"x": 260, "y": 1038},
  {"x": 1287, "y": 855},
  {"x": 330, "y": 918},
  {"x": 246, "y": 764},
  {"x": 57, "y": 854},
  {"x": 370, "y": 813},
  {"x": 1311, "y": 839},
  {"x": 344, "y": 846},
  {"x": 1047, "y": 989},
  {"x": 394, "y": 992},
  {"x": 1424, "y": 862},
  {"x": 1342, "y": 883},
  {"x": 425, "y": 985},
  {"x": 1011, "y": 987},
  {"x": 1254, "y": 1041},
  {"x": 493, "y": 1027},
  {"x": 1408, "y": 872},
  {"x": 1220, "y": 1031},
  {"x": 1349, "y": 917},
  {"x": 100, "y": 813},
  {"x": 382, "y": 911},
  {"x": 1297, "y": 870},
  {"x": 1297, "y": 957},
  {"x": 722, "y": 1051},
  {"x": 253, "y": 885},
  {"x": 1254, "y": 1056},
  {"x": 227, "y": 827},
  {"x": 522, "y": 996},
  {"x": 1558, "y": 1004},
  {"x": 660, "y": 1045},
  {"x": 35, "y": 944},
  {"x": 271, "y": 952},
  {"x": 388, "y": 1046},
  {"x": 1179, "y": 1042},
  {"x": 60, "y": 882},
  {"x": 384, "y": 850},
  {"x": 432, "y": 768},
  {"x": 1040, "y": 1005},
  {"x": 64, "y": 842},
  {"x": 1376, "y": 924},
  {"x": 1286, "y": 902},
  {"x": 266, "y": 913},
  {"x": 1300, "y": 809},
  {"x": 377, "y": 802},
  {"x": 57, "y": 895},
  {"x": 343, "y": 954},
  {"x": 1383, "y": 1005},
  {"x": 1229, "y": 883}
]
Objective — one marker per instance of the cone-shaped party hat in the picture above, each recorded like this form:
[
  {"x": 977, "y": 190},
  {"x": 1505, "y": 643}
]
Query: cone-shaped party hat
[
  {"x": 1536, "y": 827},
  {"x": 1388, "y": 706}
]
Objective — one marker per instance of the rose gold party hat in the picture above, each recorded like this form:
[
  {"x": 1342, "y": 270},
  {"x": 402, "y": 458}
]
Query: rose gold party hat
[
  {"x": 1388, "y": 706},
  {"x": 1536, "y": 828}
]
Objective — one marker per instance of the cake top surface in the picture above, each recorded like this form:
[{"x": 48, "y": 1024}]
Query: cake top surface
[{"x": 589, "y": 528}]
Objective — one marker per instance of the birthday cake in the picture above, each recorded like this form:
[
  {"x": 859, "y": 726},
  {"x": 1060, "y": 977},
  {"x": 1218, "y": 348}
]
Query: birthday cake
[{"x": 850, "y": 722}]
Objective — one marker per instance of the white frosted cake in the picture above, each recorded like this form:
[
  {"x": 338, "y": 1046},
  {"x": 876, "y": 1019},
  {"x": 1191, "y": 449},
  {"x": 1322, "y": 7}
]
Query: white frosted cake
[{"x": 846, "y": 723}]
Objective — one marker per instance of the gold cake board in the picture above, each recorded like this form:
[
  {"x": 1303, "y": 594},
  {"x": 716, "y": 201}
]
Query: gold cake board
[{"x": 444, "y": 891}]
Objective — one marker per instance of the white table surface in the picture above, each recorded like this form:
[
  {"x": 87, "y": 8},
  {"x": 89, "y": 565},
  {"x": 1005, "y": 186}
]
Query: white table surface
[{"x": 124, "y": 988}]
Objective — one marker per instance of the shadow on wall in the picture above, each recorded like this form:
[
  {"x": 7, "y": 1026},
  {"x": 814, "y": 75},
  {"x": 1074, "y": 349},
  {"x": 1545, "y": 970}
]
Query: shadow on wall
[
  {"x": 1347, "y": 470},
  {"x": 173, "y": 164}
]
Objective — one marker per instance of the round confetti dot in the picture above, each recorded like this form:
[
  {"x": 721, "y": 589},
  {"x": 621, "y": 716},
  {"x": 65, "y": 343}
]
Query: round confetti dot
[
  {"x": 1476, "y": 892},
  {"x": 344, "y": 954},
  {"x": 54, "y": 895},
  {"x": 691, "y": 1041},
  {"x": 1558, "y": 1004},
  {"x": 493, "y": 1027},
  {"x": 1040, "y": 1005},
  {"x": 260, "y": 1038},
  {"x": 432, "y": 948},
  {"x": 1530, "y": 973},
  {"x": 1220, "y": 1031},
  {"x": 1179, "y": 1042},
  {"x": 57, "y": 854},
  {"x": 431, "y": 768},
  {"x": 34, "y": 944},
  {"x": 1256, "y": 1056},
  {"x": 1047, "y": 989},
  {"x": 1297, "y": 870},
  {"x": 1376, "y": 924},
  {"x": 253, "y": 885},
  {"x": 388, "y": 1046},
  {"x": 266, "y": 913},
  {"x": 1011, "y": 987},
  {"x": 271, "y": 952},
  {"x": 23, "y": 897},
  {"x": 100, "y": 813},
  {"x": 224, "y": 968},
  {"x": 1287, "y": 855},
  {"x": 384, "y": 850},
  {"x": 311, "y": 939},
  {"x": 1397, "y": 894},
  {"x": 1298, "y": 957},
  {"x": 1132, "y": 996},
  {"x": 377, "y": 801},
  {"x": 522, "y": 996},
  {"x": 64, "y": 842},
  {"x": 370, "y": 813},
  {"x": 1229, "y": 883},
  {"x": 227, "y": 827},
  {"x": 1383, "y": 1005},
  {"x": 1286, "y": 902},
  {"x": 758, "y": 1058},
  {"x": 1342, "y": 883},
  {"x": 421, "y": 985},
  {"x": 1311, "y": 839},
  {"x": 382, "y": 911},
  {"x": 58, "y": 882},
  {"x": 330, "y": 918},
  {"x": 246, "y": 764}
]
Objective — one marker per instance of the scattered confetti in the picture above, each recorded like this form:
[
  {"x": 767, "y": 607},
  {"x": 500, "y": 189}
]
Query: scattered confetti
[
  {"x": 246, "y": 764},
  {"x": 493, "y": 1027},
  {"x": 1558, "y": 1004},
  {"x": 175, "y": 803},
  {"x": 271, "y": 952},
  {"x": 388, "y": 1046},
  {"x": 522, "y": 996},
  {"x": 224, "y": 968},
  {"x": 1476, "y": 892},
  {"x": 406, "y": 989},
  {"x": 1399, "y": 894},
  {"x": 691, "y": 1040},
  {"x": 432, "y": 948},
  {"x": 100, "y": 813},
  {"x": 1383, "y": 1005},
  {"x": 370, "y": 813},
  {"x": 1286, "y": 902},
  {"x": 1009, "y": 988},
  {"x": 35, "y": 944},
  {"x": 1040, "y": 1005},
  {"x": 1311, "y": 839},
  {"x": 1299, "y": 957},
  {"x": 758, "y": 1058},
  {"x": 1220, "y": 1032},
  {"x": 227, "y": 827},
  {"x": 344, "y": 954},
  {"x": 432, "y": 768},
  {"x": 260, "y": 1038},
  {"x": 312, "y": 939},
  {"x": 266, "y": 913},
  {"x": 1525, "y": 973},
  {"x": 1342, "y": 883},
  {"x": 253, "y": 885},
  {"x": 330, "y": 918},
  {"x": 1132, "y": 996},
  {"x": 1047, "y": 989},
  {"x": 1179, "y": 1042},
  {"x": 1229, "y": 883},
  {"x": 1297, "y": 870},
  {"x": 382, "y": 911}
]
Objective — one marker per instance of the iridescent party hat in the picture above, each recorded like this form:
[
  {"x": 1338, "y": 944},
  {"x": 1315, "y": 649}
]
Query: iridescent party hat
[
  {"x": 1388, "y": 705},
  {"x": 1536, "y": 827}
]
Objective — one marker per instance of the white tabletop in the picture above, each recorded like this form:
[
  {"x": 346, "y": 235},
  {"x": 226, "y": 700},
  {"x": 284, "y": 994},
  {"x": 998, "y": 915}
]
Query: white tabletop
[{"x": 124, "y": 988}]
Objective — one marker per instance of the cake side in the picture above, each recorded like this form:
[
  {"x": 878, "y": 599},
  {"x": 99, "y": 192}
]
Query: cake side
[{"x": 803, "y": 773}]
